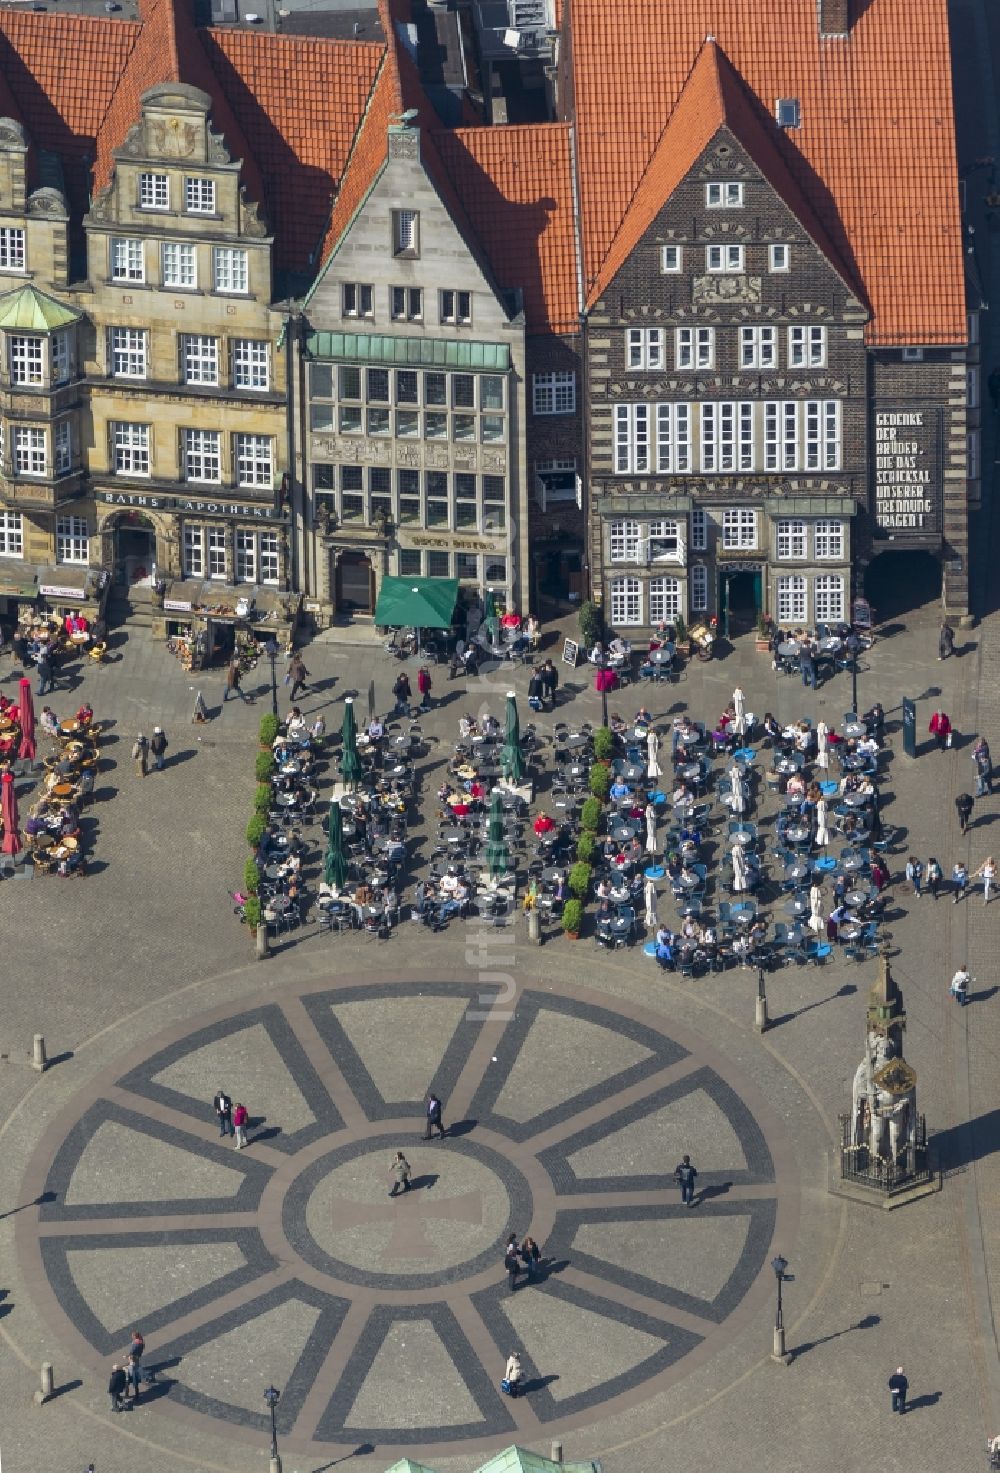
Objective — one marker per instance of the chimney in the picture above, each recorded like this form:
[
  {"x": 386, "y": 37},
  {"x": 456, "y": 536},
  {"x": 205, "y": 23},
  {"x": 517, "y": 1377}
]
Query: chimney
[{"x": 834, "y": 18}]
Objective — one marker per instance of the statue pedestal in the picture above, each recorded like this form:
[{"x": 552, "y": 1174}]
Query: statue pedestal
[{"x": 760, "y": 1018}]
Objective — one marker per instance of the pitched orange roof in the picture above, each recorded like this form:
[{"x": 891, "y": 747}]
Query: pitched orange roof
[
  {"x": 516, "y": 187},
  {"x": 875, "y": 153},
  {"x": 368, "y": 152}
]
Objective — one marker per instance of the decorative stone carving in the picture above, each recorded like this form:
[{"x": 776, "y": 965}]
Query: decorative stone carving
[
  {"x": 254, "y": 227},
  {"x": 494, "y": 461},
  {"x": 436, "y": 456},
  {"x": 100, "y": 205},
  {"x": 134, "y": 143},
  {"x": 48, "y": 201},
  {"x": 408, "y": 455},
  {"x": 404, "y": 143},
  {"x": 12, "y": 135},
  {"x": 172, "y": 138},
  {"x": 726, "y": 288},
  {"x": 216, "y": 150}
]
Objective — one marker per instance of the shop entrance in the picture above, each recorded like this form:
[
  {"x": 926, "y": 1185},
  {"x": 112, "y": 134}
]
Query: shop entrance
[
  {"x": 740, "y": 600},
  {"x": 355, "y": 584},
  {"x": 558, "y": 575},
  {"x": 134, "y": 550},
  {"x": 898, "y": 582}
]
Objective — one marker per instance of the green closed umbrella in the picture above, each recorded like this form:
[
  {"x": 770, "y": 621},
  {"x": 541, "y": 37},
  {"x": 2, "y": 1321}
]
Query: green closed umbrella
[
  {"x": 497, "y": 855},
  {"x": 490, "y": 616},
  {"x": 512, "y": 758},
  {"x": 335, "y": 863},
  {"x": 350, "y": 762}
]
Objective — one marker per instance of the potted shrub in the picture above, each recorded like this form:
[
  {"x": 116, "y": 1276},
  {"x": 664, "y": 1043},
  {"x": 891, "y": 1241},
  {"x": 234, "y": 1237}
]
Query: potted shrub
[
  {"x": 590, "y": 815},
  {"x": 604, "y": 744},
  {"x": 599, "y": 780},
  {"x": 251, "y": 914},
  {"x": 765, "y": 628},
  {"x": 262, "y": 800},
  {"x": 579, "y": 879},
  {"x": 586, "y": 848},
  {"x": 264, "y": 767},
  {"x": 251, "y": 877},
  {"x": 591, "y": 623},
  {"x": 682, "y": 640},
  {"x": 255, "y": 830},
  {"x": 572, "y": 918},
  {"x": 269, "y": 727}
]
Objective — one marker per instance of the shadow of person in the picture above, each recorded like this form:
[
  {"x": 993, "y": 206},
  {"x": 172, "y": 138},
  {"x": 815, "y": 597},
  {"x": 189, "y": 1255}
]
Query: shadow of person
[
  {"x": 928, "y": 1399},
  {"x": 424, "y": 1183},
  {"x": 536, "y": 1383}
]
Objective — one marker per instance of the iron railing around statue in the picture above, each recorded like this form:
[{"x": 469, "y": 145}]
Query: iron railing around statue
[{"x": 859, "y": 1164}]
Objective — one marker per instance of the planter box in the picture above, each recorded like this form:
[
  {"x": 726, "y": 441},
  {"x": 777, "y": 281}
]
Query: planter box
[{"x": 762, "y": 646}]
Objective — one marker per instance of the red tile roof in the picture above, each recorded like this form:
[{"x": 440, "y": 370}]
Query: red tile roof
[
  {"x": 516, "y": 187},
  {"x": 875, "y": 153},
  {"x": 368, "y": 153}
]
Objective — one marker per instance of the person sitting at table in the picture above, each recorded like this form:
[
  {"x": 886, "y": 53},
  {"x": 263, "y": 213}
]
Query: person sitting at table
[
  {"x": 687, "y": 876},
  {"x": 85, "y": 715},
  {"x": 619, "y": 650},
  {"x": 619, "y": 789},
  {"x": 805, "y": 737},
  {"x": 684, "y": 733},
  {"x": 643, "y": 718},
  {"x": 690, "y": 930},
  {"x": 543, "y": 824},
  {"x": 773, "y": 736},
  {"x": 681, "y": 797},
  {"x": 376, "y": 729},
  {"x": 874, "y": 719},
  {"x": 596, "y": 654},
  {"x": 833, "y": 922},
  {"x": 295, "y": 726},
  {"x": 48, "y": 721},
  {"x": 617, "y": 724},
  {"x": 880, "y": 875},
  {"x": 796, "y": 786},
  {"x": 318, "y": 729}
]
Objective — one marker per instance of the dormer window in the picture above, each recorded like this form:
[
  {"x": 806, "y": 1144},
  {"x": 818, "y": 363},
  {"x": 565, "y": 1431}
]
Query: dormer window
[
  {"x": 724, "y": 196},
  {"x": 154, "y": 192}
]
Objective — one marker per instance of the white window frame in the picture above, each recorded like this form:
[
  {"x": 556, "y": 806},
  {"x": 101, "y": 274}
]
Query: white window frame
[
  {"x": 726, "y": 260},
  {"x": 740, "y": 528},
  {"x": 251, "y": 364},
  {"x": 663, "y": 530},
  {"x": 779, "y": 258},
  {"x": 406, "y": 232},
  {"x": 828, "y": 598},
  {"x": 454, "y": 306},
  {"x": 694, "y": 347},
  {"x": 231, "y": 270},
  {"x": 127, "y": 351},
  {"x": 633, "y": 429},
  {"x": 31, "y": 451},
  {"x": 179, "y": 265},
  {"x": 130, "y": 448},
  {"x": 126, "y": 259},
  {"x": 664, "y": 599},
  {"x": 829, "y": 540},
  {"x": 553, "y": 393},
  {"x": 269, "y": 557},
  {"x": 807, "y": 346},
  {"x": 59, "y": 358},
  {"x": 724, "y": 195},
  {"x": 202, "y": 456},
  {"x": 215, "y": 553},
  {"x": 791, "y": 597},
  {"x": 194, "y": 550},
  {"x": 699, "y": 529},
  {"x": 154, "y": 191},
  {"x": 199, "y": 195},
  {"x": 791, "y": 539},
  {"x": 253, "y": 458},
  {"x": 758, "y": 346},
  {"x": 698, "y": 588},
  {"x": 62, "y": 447},
  {"x": 644, "y": 348},
  {"x": 11, "y": 534},
  {"x": 671, "y": 259},
  {"x": 245, "y": 570},
  {"x": 26, "y": 360},
  {"x": 12, "y": 248},
  {"x": 73, "y": 540},
  {"x": 200, "y": 358},
  {"x": 624, "y": 538},
  {"x": 625, "y": 599},
  {"x": 673, "y": 439},
  {"x": 832, "y": 435},
  {"x": 410, "y": 304}
]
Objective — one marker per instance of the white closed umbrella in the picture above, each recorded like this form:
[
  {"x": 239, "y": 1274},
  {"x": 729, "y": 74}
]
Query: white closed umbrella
[
  {"x": 822, "y": 836},
  {"x": 649, "y": 894},
  {"x": 736, "y": 800},
  {"x": 816, "y": 921},
  {"x": 739, "y": 706},
  {"x": 741, "y": 871},
  {"x": 652, "y": 748},
  {"x": 822, "y": 752},
  {"x": 650, "y": 828}
]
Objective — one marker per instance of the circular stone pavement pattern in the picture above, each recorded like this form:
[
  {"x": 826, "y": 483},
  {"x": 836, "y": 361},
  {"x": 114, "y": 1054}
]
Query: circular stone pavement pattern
[{"x": 388, "y": 1320}]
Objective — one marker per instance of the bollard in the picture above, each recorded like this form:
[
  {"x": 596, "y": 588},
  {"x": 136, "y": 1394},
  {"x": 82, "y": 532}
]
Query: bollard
[
  {"x": 274, "y": 1466},
  {"x": 48, "y": 1382},
  {"x": 760, "y": 1015},
  {"x": 38, "y": 1058},
  {"x": 534, "y": 927},
  {"x": 556, "y": 1452},
  {"x": 779, "y": 1353},
  {"x": 261, "y": 940}
]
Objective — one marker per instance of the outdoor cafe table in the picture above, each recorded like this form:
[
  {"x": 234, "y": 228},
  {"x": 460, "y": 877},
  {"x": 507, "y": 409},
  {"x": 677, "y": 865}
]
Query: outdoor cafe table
[
  {"x": 854, "y": 728},
  {"x": 797, "y": 833},
  {"x": 63, "y": 790},
  {"x": 69, "y": 728},
  {"x": 798, "y": 905},
  {"x": 856, "y": 800},
  {"x": 856, "y": 898},
  {"x": 690, "y": 772},
  {"x": 621, "y": 925},
  {"x": 853, "y": 761},
  {"x": 825, "y": 864},
  {"x": 630, "y": 772},
  {"x": 797, "y": 871},
  {"x": 789, "y": 649},
  {"x": 661, "y": 659},
  {"x": 743, "y": 836},
  {"x": 690, "y": 881},
  {"x": 744, "y": 913},
  {"x": 830, "y": 645},
  {"x": 850, "y": 930},
  {"x": 789, "y": 764},
  {"x": 852, "y": 862},
  {"x": 551, "y": 875},
  {"x": 576, "y": 741}
]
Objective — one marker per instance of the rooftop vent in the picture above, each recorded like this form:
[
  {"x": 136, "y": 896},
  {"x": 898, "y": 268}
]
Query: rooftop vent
[
  {"x": 834, "y": 17},
  {"x": 786, "y": 110}
]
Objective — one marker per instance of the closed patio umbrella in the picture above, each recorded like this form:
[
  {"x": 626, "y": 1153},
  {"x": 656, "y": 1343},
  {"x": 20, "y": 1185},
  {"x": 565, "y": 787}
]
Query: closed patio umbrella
[
  {"x": 650, "y": 828},
  {"x": 649, "y": 895},
  {"x": 822, "y": 752},
  {"x": 741, "y": 872},
  {"x": 497, "y": 855},
  {"x": 8, "y": 811},
  {"x": 350, "y": 762},
  {"x": 26, "y": 717},
  {"x": 652, "y": 748},
  {"x": 512, "y": 758},
  {"x": 335, "y": 862},
  {"x": 371, "y": 700},
  {"x": 740, "y": 711},
  {"x": 490, "y": 616}
]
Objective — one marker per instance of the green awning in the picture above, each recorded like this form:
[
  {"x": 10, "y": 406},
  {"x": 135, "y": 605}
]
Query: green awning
[
  {"x": 373, "y": 347},
  {"x": 423, "y": 603},
  {"x": 810, "y": 506}
]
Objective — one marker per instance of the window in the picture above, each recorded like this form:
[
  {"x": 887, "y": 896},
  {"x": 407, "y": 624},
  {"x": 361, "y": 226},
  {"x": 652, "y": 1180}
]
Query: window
[
  {"x": 802, "y": 436},
  {"x": 194, "y": 552},
  {"x": 409, "y": 563},
  {"x": 407, "y": 303},
  {"x": 699, "y": 588},
  {"x": 829, "y": 540},
  {"x": 216, "y": 539},
  {"x": 378, "y": 385},
  {"x": 913, "y": 355},
  {"x": 127, "y": 352},
  {"x": 726, "y": 196},
  {"x": 671, "y": 259},
  {"x": 791, "y": 538},
  {"x": 972, "y": 388},
  {"x": 72, "y": 540},
  {"x": 623, "y": 542},
  {"x": 11, "y": 249},
  {"x": 792, "y": 601},
  {"x": 787, "y": 112},
  {"x": 664, "y": 600},
  {"x": 246, "y": 556},
  {"x": 199, "y": 196},
  {"x": 673, "y": 437},
  {"x": 59, "y": 357},
  {"x": 438, "y": 565},
  {"x": 202, "y": 455},
  {"x": 727, "y": 436},
  {"x": 254, "y": 460},
  {"x": 828, "y": 599},
  {"x": 405, "y": 233},
  {"x": 726, "y": 258},
  {"x": 645, "y": 347},
  {"x": 626, "y": 601},
  {"x": 664, "y": 540},
  {"x": 11, "y": 534},
  {"x": 130, "y": 449},
  {"x": 632, "y": 438},
  {"x": 553, "y": 393},
  {"x": 739, "y": 528},
  {"x": 357, "y": 299},
  {"x": 758, "y": 347},
  {"x": 179, "y": 265},
  {"x": 62, "y": 447},
  {"x": 491, "y": 390},
  {"x": 972, "y": 455},
  {"x": 779, "y": 258},
  {"x": 694, "y": 347},
  {"x": 831, "y": 434},
  {"x": 251, "y": 364},
  {"x": 270, "y": 557},
  {"x": 699, "y": 530},
  {"x": 806, "y": 347},
  {"x": 455, "y": 306},
  {"x": 231, "y": 270},
  {"x": 27, "y": 360},
  {"x": 200, "y": 359},
  {"x": 30, "y": 455},
  {"x": 154, "y": 192},
  {"x": 126, "y": 260}
]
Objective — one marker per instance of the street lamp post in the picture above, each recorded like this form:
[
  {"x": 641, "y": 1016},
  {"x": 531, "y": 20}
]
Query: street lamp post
[
  {"x": 272, "y": 1396},
  {"x": 760, "y": 1014},
  {"x": 779, "y": 1353},
  {"x": 854, "y": 649},
  {"x": 271, "y": 651}
]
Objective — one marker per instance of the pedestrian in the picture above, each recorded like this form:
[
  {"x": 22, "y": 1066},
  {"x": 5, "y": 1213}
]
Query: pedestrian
[
  {"x": 550, "y": 681},
  {"x": 403, "y": 694},
  {"x": 158, "y": 747},
  {"x": 934, "y": 876},
  {"x": 234, "y": 676},
  {"x": 964, "y": 804},
  {"x": 946, "y": 640},
  {"x": 200, "y": 713},
  {"x": 960, "y": 985},
  {"x": 140, "y": 755},
  {"x": 19, "y": 647},
  {"x": 296, "y": 675},
  {"x": 116, "y": 1387},
  {"x": 433, "y": 1112},
  {"x": 512, "y": 1261},
  {"x": 899, "y": 1386},
  {"x": 133, "y": 1376},
  {"x": 223, "y": 1107},
  {"x": 240, "y": 1117},
  {"x": 424, "y": 684},
  {"x": 940, "y": 728},
  {"x": 984, "y": 767},
  {"x": 807, "y": 665},
  {"x": 684, "y": 1175},
  {"x": 399, "y": 1170},
  {"x": 512, "y": 1375},
  {"x": 532, "y": 1257},
  {"x": 959, "y": 880},
  {"x": 988, "y": 870},
  {"x": 914, "y": 873},
  {"x": 43, "y": 664}
]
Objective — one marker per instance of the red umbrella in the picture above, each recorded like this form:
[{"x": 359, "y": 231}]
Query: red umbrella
[
  {"x": 8, "y": 810},
  {"x": 27, "y": 718}
]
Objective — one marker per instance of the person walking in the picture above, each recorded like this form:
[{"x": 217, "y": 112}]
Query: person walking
[
  {"x": 684, "y": 1175},
  {"x": 959, "y": 880},
  {"x": 914, "y": 873},
  {"x": 140, "y": 755},
  {"x": 550, "y": 681},
  {"x": 531, "y": 1255},
  {"x": 133, "y": 1377},
  {"x": 940, "y": 728},
  {"x": 899, "y": 1386},
  {"x": 240, "y": 1118},
  {"x": 964, "y": 804},
  {"x": 934, "y": 876},
  {"x": 946, "y": 641},
  {"x": 296, "y": 675},
  {"x": 399, "y": 1170},
  {"x": 158, "y": 747},
  {"x": 117, "y": 1382},
  {"x": 984, "y": 767},
  {"x": 424, "y": 684},
  {"x": 513, "y": 1374},
  {"x": 807, "y": 666},
  {"x": 233, "y": 677},
  {"x": 960, "y": 985},
  {"x": 512, "y": 1261},
  {"x": 988, "y": 870},
  {"x": 433, "y": 1113},
  {"x": 223, "y": 1107},
  {"x": 46, "y": 679},
  {"x": 402, "y": 692}
]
